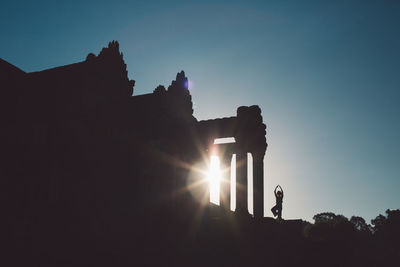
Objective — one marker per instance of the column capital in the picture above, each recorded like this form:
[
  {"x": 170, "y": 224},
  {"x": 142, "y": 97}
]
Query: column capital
[{"x": 258, "y": 154}]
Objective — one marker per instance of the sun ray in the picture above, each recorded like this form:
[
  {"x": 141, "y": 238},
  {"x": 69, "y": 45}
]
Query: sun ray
[{"x": 214, "y": 177}]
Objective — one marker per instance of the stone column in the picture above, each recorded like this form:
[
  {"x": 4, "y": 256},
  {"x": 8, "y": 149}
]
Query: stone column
[
  {"x": 258, "y": 185},
  {"x": 225, "y": 186},
  {"x": 241, "y": 183}
]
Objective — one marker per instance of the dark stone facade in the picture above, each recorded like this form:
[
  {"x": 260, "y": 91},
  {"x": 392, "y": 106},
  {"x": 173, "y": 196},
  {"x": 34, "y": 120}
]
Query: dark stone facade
[{"x": 85, "y": 163}]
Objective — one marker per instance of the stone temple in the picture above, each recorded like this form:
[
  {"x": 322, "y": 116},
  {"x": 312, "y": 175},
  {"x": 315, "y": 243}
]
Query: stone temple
[{"x": 86, "y": 163}]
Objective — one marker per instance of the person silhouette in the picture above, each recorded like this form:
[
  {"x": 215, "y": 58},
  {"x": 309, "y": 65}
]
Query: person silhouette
[{"x": 277, "y": 209}]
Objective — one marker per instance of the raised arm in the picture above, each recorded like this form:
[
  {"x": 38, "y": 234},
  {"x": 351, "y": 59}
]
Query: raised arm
[{"x": 275, "y": 190}]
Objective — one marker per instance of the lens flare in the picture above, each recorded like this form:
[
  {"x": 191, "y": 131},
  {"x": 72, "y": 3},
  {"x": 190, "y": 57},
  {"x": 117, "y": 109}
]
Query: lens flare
[{"x": 214, "y": 178}]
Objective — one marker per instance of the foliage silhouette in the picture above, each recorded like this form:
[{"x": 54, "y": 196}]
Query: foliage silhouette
[{"x": 354, "y": 242}]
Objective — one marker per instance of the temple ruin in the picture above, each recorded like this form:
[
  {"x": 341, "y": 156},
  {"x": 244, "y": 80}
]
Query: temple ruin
[{"x": 82, "y": 152}]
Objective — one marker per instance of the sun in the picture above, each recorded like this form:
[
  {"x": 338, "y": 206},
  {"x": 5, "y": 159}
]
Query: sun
[{"x": 214, "y": 179}]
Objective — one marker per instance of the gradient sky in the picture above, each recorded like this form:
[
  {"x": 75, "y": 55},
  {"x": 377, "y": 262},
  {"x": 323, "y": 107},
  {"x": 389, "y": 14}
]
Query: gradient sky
[{"x": 326, "y": 75}]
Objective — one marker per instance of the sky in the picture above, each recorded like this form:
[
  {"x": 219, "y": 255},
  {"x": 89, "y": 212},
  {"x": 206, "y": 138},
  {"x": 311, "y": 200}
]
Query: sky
[{"x": 326, "y": 75}]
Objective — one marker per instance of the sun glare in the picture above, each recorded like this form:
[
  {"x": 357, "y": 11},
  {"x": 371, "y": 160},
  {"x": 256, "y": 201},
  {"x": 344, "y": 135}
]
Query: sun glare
[{"x": 214, "y": 178}]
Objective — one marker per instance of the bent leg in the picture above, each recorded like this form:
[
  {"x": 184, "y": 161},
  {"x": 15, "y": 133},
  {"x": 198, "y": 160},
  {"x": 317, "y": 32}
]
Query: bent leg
[{"x": 273, "y": 210}]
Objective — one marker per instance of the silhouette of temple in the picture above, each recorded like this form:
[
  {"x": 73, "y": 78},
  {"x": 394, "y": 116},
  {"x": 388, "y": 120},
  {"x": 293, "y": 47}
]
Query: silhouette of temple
[
  {"x": 93, "y": 175},
  {"x": 85, "y": 159}
]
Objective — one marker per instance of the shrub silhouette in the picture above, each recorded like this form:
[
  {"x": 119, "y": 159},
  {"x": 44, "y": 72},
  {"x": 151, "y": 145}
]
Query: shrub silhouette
[
  {"x": 354, "y": 242},
  {"x": 387, "y": 234}
]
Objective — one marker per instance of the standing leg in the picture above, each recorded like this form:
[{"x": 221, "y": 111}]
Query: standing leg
[{"x": 279, "y": 208}]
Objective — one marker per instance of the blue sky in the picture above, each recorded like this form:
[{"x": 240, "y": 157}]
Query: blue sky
[{"x": 326, "y": 75}]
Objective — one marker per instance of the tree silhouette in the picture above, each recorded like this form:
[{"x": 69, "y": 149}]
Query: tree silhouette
[
  {"x": 329, "y": 227},
  {"x": 387, "y": 232},
  {"x": 360, "y": 224}
]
